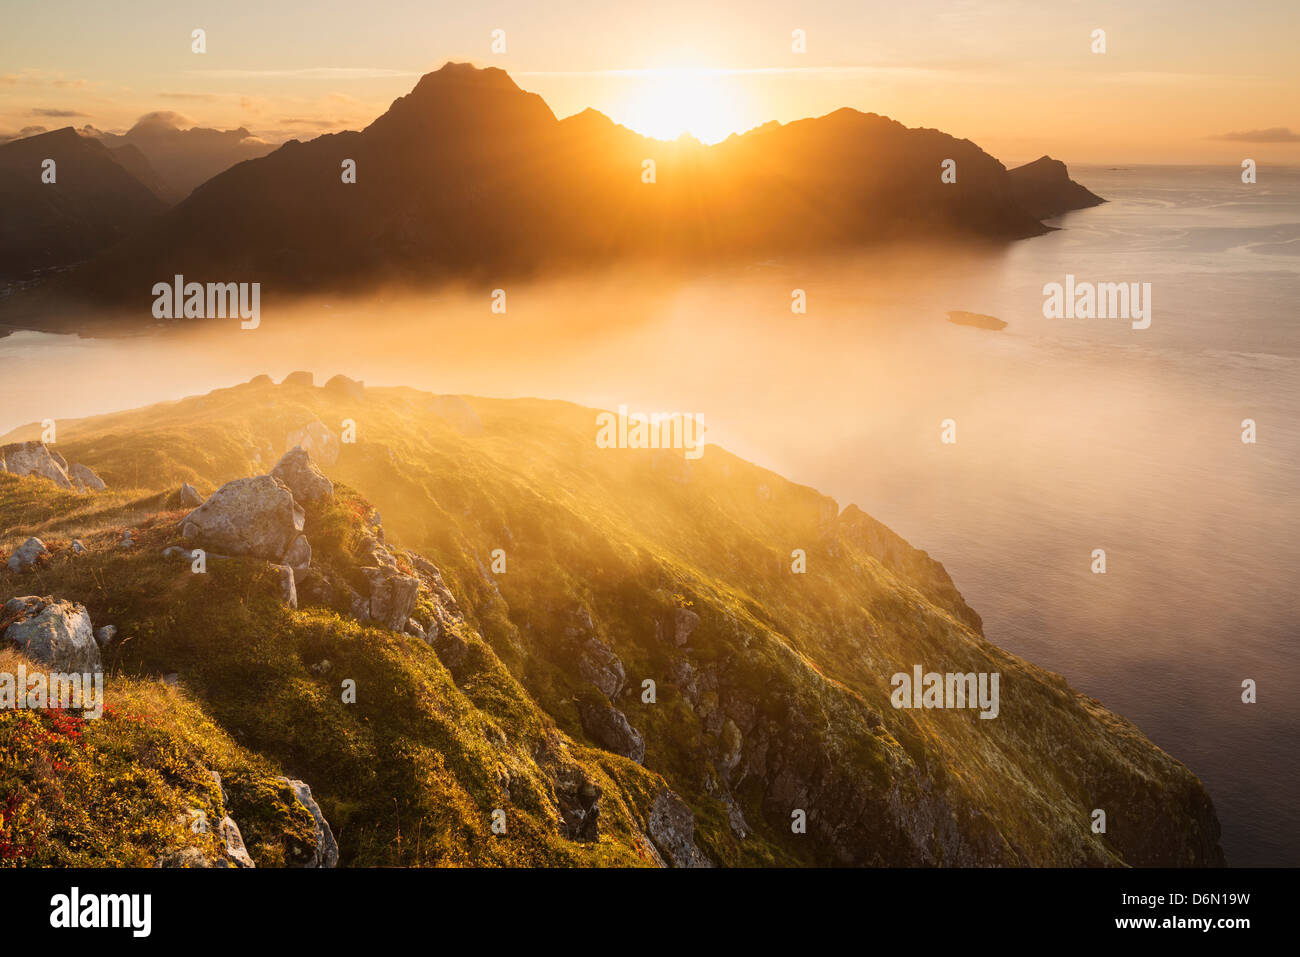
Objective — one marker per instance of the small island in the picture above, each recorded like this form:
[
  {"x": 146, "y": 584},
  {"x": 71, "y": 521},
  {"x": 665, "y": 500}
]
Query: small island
[{"x": 977, "y": 319}]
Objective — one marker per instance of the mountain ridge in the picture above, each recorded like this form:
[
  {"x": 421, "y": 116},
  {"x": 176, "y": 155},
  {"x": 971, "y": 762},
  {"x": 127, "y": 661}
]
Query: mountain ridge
[
  {"x": 468, "y": 177},
  {"x": 773, "y": 687}
]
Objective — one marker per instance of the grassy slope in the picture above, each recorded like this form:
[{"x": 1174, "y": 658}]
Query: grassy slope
[{"x": 781, "y": 697}]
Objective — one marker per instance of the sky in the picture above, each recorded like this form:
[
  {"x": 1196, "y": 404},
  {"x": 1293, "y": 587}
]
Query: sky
[{"x": 1180, "y": 81}]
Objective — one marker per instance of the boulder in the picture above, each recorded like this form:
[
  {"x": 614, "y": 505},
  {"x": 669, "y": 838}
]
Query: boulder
[
  {"x": 672, "y": 828},
  {"x": 34, "y": 458},
  {"x": 26, "y": 554},
  {"x": 256, "y": 517},
  {"x": 77, "y": 547},
  {"x": 295, "y": 469},
  {"x": 392, "y": 596},
  {"x": 327, "y": 850},
  {"x": 85, "y": 479},
  {"x": 342, "y": 385},
  {"x": 316, "y": 439},
  {"x": 54, "y": 632},
  {"x": 609, "y": 728},
  {"x": 104, "y": 635},
  {"x": 298, "y": 378}
]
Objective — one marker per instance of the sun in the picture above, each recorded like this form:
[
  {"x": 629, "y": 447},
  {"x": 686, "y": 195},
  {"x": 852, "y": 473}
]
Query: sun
[{"x": 666, "y": 103}]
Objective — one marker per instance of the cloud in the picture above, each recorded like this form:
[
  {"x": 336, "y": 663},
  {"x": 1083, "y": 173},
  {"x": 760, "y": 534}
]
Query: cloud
[
  {"x": 202, "y": 97},
  {"x": 162, "y": 119},
  {"x": 57, "y": 114},
  {"x": 1274, "y": 134}
]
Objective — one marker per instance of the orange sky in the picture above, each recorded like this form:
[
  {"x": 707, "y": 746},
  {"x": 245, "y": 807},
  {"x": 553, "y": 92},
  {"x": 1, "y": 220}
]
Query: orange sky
[{"x": 1019, "y": 78}]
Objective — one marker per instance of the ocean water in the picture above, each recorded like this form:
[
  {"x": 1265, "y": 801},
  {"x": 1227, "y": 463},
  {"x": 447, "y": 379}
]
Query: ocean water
[{"x": 1072, "y": 434}]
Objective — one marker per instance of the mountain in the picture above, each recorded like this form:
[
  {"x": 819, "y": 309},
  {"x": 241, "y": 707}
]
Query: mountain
[
  {"x": 469, "y": 177},
  {"x": 1044, "y": 189},
  {"x": 612, "y": 647},
  {"x": 184, "y": 158},
  {"x": 93, "y": 202}
]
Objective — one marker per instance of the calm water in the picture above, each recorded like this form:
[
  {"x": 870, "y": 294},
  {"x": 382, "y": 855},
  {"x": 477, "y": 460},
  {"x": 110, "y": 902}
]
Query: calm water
[{"x": 1072, "y": 434}]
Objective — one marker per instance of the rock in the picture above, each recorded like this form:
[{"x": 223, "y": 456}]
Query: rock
[
  {"x": 327, "y": 850},
  {"x": 414, "y": 630},
  {"x": 672, "y": 828},
  {"x": 342, "y": 385},
  {"x": 579, "y": 804},
  {"x": 256, "y": 517},
  {"x": 316, "y": 439},
  {"x": 229, "y": 832},
  {"x": 392, "y": 596},
  {"x": 298, "y": 555},
  {"x": 298, "y": 378},
  {"x": 609, "y": 728},
  {"x": 598, "y": 664},
  {"x": 322, "y": 667},
  {"x": 189, "y": 496},
  {"x": 450, "y": 647},
  {"x": 262, "y": 379},
  {"x": 288, "y": 590},
  {"x": 684, "y": 623},
  {"x": 104, "y": 636},
  {"x": 457, "y": 413},
  {"x": 85, "y": 479},
  {"x": 34, "y": 458},
  {"x": 127, "y": 541},
  {"x": 77, "y": 547},
  {"x": 26, "y": 555},
  {"x": 54, "y": 632},
  {"x": 295, "y": 469}
]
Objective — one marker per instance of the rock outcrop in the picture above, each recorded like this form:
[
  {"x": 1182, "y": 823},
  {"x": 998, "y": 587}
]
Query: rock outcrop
[
  {"x": 672, "y": 827},
  {"x": 34, "y": 458},
  {"x": 326, "y": 852},
  {"x": 609, "y": 728}
]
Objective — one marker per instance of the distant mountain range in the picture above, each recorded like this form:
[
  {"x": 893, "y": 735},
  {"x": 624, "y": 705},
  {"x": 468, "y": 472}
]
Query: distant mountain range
[
  {"x": 97, "y": 197},
  {"x": 469, "y": 177}
]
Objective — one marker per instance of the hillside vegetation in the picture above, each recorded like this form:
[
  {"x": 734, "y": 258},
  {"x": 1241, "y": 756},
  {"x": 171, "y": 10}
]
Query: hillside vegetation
[{"x": 771, "y": 687}]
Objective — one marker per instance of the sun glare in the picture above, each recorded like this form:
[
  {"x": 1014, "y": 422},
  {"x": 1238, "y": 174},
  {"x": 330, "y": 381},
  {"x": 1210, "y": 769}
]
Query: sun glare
[{"x": 669, "y": 102}]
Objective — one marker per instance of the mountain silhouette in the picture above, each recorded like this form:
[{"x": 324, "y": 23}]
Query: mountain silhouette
[
  {"x": 1044, "y": 189},
  {"x": 93, "y": 202},
  {"x": 470, "y": 177}
]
